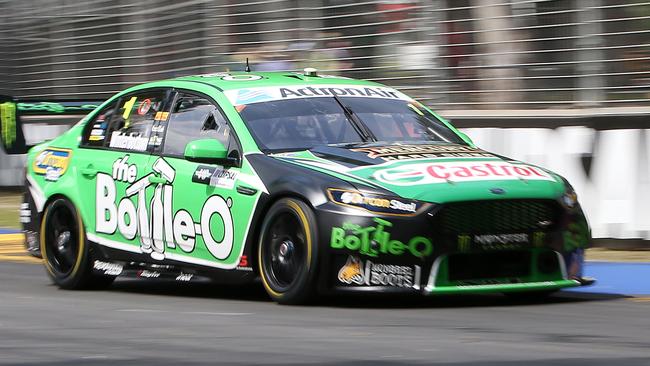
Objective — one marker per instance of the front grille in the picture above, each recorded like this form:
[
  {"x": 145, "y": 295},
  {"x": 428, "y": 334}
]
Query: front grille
[
  {"x": 498, "y": 265},
  {"x": 497, "y": 216}
]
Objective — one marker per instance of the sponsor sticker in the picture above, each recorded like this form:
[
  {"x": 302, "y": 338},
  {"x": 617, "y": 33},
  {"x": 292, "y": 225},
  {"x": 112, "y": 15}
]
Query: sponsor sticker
[
  {"x": 52, "y": 174},
  {"x": 144, "y": 107},
  {"x": 501, "y": 238},
  {"x": 33, "y": 243},
  {"x": 358, "y": 272},
  {"x": 146, "y": 211},
  {"x": 265, "y": 94},
  {"x": 496, "y": 241},
  {"x": 145, "y": 273},
  {"x": 215, "y": 176},
  {"x": 352, "y": 272},
  {"x": 375, "y": 240},
  {"x": 465, "y": 171},
  {"x": 161, "y": 116},
  {"x": 202, "y": 174},
  {"x": 108, "y": 268},
  {"x": 184, "y": 277},
  {"x": 373, "y": 202},
  {"x": 25, "y": 213},
  {"x": 244, "y": 265},
  {"x": 155, "y": 140},
  {"x": 403, "y": 152},
  {"x": 52, "y": 160},
  {"x": 158, "y": 129},
  {"x": 223, "y": 178},
  {"x": 129, "y": 142}
]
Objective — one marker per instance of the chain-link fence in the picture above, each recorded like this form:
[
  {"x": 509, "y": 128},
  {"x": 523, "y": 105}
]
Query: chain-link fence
[{"x": 452, "y": 54}]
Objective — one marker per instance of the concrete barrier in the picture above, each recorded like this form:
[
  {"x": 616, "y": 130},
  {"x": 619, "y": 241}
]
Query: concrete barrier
[{"x": 609, "y": 167}]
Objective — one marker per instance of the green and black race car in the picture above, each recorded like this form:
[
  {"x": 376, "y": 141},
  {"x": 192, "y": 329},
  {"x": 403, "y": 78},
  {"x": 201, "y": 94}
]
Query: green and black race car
[{"x": 311, "y": 183}]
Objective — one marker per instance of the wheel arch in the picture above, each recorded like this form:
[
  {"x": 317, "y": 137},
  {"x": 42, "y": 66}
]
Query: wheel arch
[
  {"x": 256, "y": 226},
  {"x": 48, "y": 202},
  {"x": 53, "y": 197}
]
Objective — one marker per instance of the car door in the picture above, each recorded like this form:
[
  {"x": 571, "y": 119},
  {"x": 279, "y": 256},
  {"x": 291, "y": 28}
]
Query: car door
[
  {"x": 117, "y": 172},
  {"x": 210, "y": 212}
]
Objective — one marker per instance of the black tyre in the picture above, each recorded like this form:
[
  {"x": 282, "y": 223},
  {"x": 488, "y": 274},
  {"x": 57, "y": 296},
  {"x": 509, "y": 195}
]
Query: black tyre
[
  {"x": 287, "y": 252},
  {"x": 65, "y": 249}
]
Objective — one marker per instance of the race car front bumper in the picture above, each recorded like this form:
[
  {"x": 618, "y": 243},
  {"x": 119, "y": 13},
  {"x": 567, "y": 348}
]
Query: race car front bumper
[{"x": 435, "y": 252}]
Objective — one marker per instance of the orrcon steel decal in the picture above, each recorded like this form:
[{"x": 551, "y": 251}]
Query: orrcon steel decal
[
  {"x": 462, "y": 171},
  {"x": 153, "y": 220},
  {"x": 374, "y": 203}
]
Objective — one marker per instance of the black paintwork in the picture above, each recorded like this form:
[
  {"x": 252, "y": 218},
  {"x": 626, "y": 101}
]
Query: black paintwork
[{"x": 285, "y": 179}]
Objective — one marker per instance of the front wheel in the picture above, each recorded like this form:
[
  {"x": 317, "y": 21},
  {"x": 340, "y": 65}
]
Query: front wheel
[
  {"x": 65, "y": 250},
  {"x": 287, "y": 252}
]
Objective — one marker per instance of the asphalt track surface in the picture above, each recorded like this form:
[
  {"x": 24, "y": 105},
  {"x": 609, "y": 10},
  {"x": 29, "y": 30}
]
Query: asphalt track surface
[{"x": 150, "y": 322}]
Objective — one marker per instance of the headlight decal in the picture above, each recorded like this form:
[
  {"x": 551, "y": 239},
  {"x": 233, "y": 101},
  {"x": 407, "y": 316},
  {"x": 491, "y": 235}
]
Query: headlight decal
[{"x": 375, "y": 203}]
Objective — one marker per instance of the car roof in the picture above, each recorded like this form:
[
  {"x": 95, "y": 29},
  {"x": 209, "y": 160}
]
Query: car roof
[{"x": 238, "y": 80}]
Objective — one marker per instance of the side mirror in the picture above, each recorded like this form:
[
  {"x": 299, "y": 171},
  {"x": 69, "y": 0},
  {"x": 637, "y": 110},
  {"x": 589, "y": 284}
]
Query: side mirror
[
  {"x": 465, "y": 138},
  {"x": 209, "y": 151}
]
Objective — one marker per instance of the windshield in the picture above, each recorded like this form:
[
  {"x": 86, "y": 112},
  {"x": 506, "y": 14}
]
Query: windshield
[{"x": 303, "y": 123}]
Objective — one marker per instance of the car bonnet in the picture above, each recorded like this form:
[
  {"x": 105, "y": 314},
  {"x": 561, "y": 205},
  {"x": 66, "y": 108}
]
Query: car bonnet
[{"x": 431, "y": 172}]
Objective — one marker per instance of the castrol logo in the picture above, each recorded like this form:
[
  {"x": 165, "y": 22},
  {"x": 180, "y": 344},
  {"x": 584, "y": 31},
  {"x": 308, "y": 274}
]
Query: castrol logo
[{"x": 431, "y": 173}]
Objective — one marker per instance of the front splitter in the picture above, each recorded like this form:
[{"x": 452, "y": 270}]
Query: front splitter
[{"x": 507, "y": 287}]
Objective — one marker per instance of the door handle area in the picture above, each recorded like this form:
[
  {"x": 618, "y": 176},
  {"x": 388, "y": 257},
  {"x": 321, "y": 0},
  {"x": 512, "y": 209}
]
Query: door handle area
[
  {"x": 89, "y": 171},
  {"x": 157, "y": 180}
]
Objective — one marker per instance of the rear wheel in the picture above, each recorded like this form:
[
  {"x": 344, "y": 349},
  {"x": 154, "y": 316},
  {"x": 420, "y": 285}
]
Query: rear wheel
[
  {"x": 287, "y": 252},
  {"x": 65, "y": 249}
]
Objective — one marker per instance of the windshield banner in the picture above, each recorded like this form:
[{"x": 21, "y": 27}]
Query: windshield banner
[{"x": 258, "y": 95}]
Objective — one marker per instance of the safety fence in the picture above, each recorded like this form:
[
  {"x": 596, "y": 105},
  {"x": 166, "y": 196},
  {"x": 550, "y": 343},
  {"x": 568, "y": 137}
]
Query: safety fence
[
  {"x": 530, "y": 67},
  {"x": 460, "y": 54}
]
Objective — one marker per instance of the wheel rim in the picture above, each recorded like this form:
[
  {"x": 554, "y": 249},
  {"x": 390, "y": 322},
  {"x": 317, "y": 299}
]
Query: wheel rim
[
  {"x": 283, "y": 254},
  {"x": 61, "y": 240}
]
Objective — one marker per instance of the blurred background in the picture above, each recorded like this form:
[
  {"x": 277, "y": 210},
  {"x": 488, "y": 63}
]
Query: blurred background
[{"x": 561, "y": 83}]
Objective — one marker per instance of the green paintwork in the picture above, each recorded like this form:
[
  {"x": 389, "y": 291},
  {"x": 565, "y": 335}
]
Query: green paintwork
[
  {"x": 206, "y": 149},
  {"x": 502, "y": 288},
  {"x": 89, "y": 167}
]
